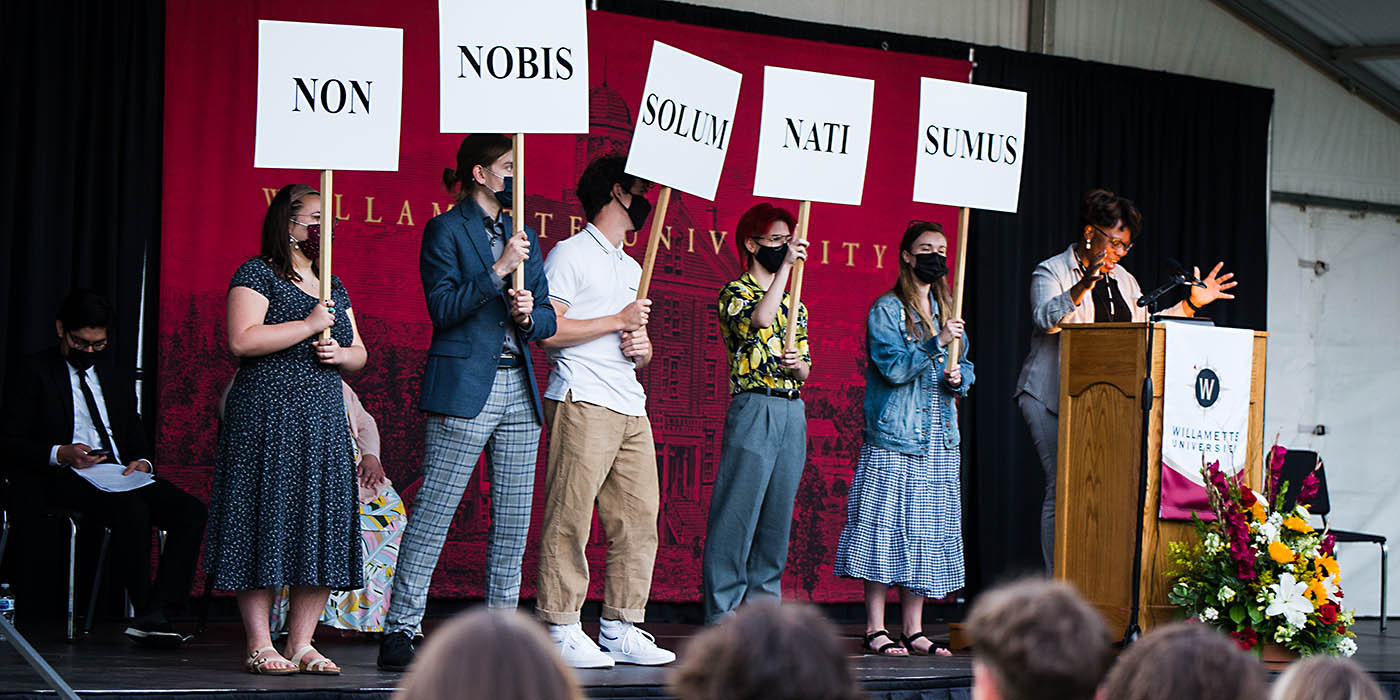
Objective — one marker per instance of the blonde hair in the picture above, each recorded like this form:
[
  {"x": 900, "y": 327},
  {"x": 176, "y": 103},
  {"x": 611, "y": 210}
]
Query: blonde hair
[
  {"x": 1326, "y": 678},
  {"x": 489, "y": 655}
]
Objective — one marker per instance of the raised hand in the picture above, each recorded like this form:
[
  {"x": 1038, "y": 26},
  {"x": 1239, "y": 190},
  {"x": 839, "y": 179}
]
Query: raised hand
[{"x": 1216, "y": 284}]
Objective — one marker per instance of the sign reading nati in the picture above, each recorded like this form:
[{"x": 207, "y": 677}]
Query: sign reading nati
[
  {"x": 513, "y": 67},
  {"x": 329, "y": 96},
  {"x": 814, "y": 136},
  {"x": 686, "y": 120},
  {"x": 971, "y": 144}
]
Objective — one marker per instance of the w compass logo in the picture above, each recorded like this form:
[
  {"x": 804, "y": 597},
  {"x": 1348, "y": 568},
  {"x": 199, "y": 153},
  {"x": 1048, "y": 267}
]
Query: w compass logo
[{"x": 1207, "y": 387}]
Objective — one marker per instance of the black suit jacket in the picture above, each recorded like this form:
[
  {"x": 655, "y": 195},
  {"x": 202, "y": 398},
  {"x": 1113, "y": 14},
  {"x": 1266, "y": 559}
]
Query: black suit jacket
[{"x": 38, "y": 412}]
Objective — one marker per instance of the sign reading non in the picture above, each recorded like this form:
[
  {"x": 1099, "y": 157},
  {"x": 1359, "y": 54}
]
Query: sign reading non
[
  {"x": 686, "y": 120},
  {"x": 329, "y": 96},
  {"x": 814, "y": 136},
  {"x": 513, "y": 67},
  {"x": 971, "y": 144}
]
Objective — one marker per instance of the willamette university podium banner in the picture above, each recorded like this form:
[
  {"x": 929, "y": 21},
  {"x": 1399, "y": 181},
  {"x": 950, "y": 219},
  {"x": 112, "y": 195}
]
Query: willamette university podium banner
[
  {"x": 1205, "y": 412},
  {"x": 214, "y": 202}
]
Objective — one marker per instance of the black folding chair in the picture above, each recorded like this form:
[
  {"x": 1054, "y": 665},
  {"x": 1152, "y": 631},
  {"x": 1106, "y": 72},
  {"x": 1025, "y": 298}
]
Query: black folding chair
[{"x": 1297, "y": 464}]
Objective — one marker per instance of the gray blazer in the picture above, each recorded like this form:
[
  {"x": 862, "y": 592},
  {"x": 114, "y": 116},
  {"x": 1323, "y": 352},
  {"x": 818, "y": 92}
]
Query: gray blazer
[{"x": 1051, "y": 306}]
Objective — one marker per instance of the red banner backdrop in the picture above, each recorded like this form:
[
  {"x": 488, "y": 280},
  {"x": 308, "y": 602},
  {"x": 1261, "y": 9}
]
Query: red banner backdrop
[{"x": 214, "y": 202}]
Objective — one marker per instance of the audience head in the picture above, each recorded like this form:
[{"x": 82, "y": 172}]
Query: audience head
[
  {"x": 1326, "y": 678},
  {"x": 605, "y": 189},
  {"x": 766, "y": 652},
  {"x": 483, "y": 160},
  {"x": 290, "y": 216},
  {"x": 1036, "y": 639},
  {"x": 492, "y": 656},
  {"x": 83, "y": 319},
  {"x": 757, "y": 229},
  {"x": 1185, "y": 660}
]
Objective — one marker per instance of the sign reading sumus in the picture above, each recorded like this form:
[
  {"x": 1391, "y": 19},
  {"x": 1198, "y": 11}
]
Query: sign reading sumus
[
  {"x": 686, "y": 119},
  {"x": 814, "y": 136},
  {"x": 970, "y": 145},
  {"x": 329, "y": 96},
  {"x": 513, "y": 67}
]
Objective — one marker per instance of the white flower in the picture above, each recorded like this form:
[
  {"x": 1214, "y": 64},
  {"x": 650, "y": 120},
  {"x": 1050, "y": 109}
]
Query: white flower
[
  {"x": 1347, "y": 646},
  {"x": 1288, "y": 600},
  {"x": 1334, "y": 591},
  {"x": 1210, "y": 614},
  {"x": 1213, "y": 543},
  {"x": 1226, "y": 594},
  {"x": 1282, "y": 634},
  {"x": 1269, "y": 531}
]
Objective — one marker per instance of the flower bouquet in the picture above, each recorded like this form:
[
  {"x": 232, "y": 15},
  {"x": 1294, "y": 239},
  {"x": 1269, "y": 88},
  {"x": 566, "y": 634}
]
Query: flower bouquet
[{"x": 1260, "y": 574}]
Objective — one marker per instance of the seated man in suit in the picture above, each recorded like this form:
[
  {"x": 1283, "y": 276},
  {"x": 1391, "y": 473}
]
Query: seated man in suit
[{"x": 66, "y": 411}]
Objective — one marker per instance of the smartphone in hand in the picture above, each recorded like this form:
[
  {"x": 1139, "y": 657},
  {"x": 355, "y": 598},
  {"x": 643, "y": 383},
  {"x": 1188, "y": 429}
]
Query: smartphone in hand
[{"x": 99, "y": 452}]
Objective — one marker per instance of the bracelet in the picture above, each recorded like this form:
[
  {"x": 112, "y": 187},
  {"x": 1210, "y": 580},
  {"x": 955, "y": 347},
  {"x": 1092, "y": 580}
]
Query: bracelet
[{"x": 1189, "y": 305}]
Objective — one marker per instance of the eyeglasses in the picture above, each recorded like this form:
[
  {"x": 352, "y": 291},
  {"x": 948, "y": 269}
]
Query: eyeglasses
[
  {"x": 87, "y": 345},
  {"x": 1117, "y": 243},
  {"x": 771, "y": 240}
]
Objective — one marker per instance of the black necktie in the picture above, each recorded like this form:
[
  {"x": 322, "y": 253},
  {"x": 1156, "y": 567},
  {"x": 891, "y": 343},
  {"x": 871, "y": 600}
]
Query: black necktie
[{"x": 96, "y": 416}]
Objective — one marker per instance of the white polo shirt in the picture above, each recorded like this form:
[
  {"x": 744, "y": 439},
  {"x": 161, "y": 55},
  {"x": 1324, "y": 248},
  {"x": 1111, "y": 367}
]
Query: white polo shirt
[{"x": 595, "y": 278}]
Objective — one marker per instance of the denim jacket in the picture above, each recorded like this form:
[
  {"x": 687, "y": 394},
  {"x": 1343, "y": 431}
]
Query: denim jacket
[{"x": 900, "y": 369}]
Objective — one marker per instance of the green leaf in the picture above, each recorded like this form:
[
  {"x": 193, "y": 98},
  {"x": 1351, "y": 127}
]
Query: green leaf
[
  {"x": 1256, "y": 614},
  {"x": 1237, "y": 613}
]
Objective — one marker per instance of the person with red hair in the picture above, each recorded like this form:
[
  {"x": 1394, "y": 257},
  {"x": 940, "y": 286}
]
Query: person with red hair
[{"x": 765, "y": 429}]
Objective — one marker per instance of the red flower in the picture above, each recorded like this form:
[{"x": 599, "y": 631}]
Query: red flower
[
  {"x": 1247, "y": 498},
  {"x": 1329, "y": 544},
  {"x": 1309, "y": 489},
  {"x": 1327, "y": 614},
  {"x": 1341, "y": 629},
  {"x": 1246, "y": 638}
]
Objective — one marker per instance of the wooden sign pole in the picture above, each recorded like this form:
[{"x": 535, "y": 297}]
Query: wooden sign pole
[
  {"x": 955, "y": 346},
  {"x": 658, "y": 226},
  {"x": 327, "y": 222},
  {"x": 804, "y": 213},
  {"x": 517, "y": 206}
]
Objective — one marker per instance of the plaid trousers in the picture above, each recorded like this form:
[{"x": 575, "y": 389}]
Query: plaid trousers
[{"x": 507, "y": 426}]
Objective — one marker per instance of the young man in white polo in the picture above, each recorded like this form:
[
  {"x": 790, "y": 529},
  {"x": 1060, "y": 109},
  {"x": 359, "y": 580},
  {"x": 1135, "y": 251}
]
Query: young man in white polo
[{"x": 600, "y": 443}]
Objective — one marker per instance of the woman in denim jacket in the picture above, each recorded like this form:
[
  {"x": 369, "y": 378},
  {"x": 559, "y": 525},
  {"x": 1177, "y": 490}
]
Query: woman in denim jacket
[{"x": 904, "y": 514}]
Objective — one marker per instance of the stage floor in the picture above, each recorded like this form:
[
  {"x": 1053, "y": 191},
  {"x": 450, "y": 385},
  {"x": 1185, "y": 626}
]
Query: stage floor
[{"x": 106, "y": 664}]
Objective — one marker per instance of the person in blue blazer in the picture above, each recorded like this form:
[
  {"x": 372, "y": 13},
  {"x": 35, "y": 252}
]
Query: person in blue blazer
[{"x": 478, "y": 388}]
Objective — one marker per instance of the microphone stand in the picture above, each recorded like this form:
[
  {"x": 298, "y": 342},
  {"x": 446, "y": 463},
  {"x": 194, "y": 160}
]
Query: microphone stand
[{"x": 1152, "y": 301}]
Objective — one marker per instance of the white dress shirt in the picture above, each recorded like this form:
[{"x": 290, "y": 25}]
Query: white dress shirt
[{"x": 84, "y": 429}]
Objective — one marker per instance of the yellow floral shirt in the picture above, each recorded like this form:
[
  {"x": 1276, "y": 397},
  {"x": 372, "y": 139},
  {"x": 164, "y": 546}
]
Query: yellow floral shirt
[{"x": 755, "y": 355}]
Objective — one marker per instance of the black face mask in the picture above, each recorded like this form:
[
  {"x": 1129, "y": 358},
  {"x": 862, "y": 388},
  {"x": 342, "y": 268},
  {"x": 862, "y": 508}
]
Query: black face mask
[
  {"x": 929, "y": 267},
  {"x": 82, "y": 360},
  {"x": 638, "y": 211},
  {"x": 771, "y": 258},
  {"x": 506, "y": 196}
]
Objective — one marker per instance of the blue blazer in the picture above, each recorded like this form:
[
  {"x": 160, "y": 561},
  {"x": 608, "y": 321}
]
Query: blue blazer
[{"x": 469, "y": 312}]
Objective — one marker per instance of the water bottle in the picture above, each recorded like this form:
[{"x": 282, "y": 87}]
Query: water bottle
[{"x": 7, "y": 606}]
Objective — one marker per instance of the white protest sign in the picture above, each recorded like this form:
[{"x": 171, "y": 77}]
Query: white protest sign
[
  {"x": 686, "y": 120},
  {"x": 513, "y": 67},
  {"x": 814, "y": 136},
  {"x": 971, "y": 144},
  {"x": 329, "y": 96}
]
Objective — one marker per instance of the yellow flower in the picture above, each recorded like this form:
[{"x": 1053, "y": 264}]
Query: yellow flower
[
  {"x": 1280, "y": 553},
  {"x": 1297, "y": 524},
  {"x": 1316, "y": 593},
  {"x": 1327, "y": 564},
  {"x": 1260, "y": 515}
]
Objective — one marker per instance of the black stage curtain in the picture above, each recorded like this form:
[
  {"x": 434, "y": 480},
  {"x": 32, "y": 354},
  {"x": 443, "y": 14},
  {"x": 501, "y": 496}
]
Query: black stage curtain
[
  {"x": 79, "y": 165},
  {"x": 1192, "y": 153}
]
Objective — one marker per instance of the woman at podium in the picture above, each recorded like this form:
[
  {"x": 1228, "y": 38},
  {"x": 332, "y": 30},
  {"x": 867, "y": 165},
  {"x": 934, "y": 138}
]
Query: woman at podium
[{"x": 1085, "y": 284}]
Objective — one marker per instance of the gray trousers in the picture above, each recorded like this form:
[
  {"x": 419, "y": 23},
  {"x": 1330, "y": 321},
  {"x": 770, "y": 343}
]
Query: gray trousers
[
  {"x": 760, "y": 465},
  {"x": 1045, "y": 435}
]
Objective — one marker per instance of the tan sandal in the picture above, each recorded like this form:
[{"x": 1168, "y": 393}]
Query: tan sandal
[
  {"x": 258, "y": 660},
  {"x": 320, "y": 667}
]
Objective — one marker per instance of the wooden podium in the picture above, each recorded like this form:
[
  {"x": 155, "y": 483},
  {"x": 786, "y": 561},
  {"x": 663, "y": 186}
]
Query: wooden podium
[{"x": 1101, "y": 372}]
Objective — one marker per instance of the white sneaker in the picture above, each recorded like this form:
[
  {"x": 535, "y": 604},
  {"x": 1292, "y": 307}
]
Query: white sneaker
[
  {"x": 626, "y": 643},
  {"x": 577, "y": 650}
]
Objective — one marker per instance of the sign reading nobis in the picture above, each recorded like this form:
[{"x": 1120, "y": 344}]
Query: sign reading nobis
[
  {"x": 686, "y": 120},
  {"x": 513, "y": 67},
  {"x": 814, "y": 136},
  {"x": 970, "y": 145},
  {"x": 329, "y": 96}
]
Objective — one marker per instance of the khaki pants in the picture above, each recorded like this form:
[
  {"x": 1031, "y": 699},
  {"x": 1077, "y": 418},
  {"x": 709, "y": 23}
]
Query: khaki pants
[{"x": 596, "y": 454}]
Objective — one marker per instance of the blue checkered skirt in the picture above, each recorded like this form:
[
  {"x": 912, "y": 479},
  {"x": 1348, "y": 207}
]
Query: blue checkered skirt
[{"x": 904, "y": 521}]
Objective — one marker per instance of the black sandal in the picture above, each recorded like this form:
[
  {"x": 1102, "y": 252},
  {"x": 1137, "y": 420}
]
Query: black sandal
[
  {"x": 933, "y": 649},
  {"x": 865, "y": 647}
]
